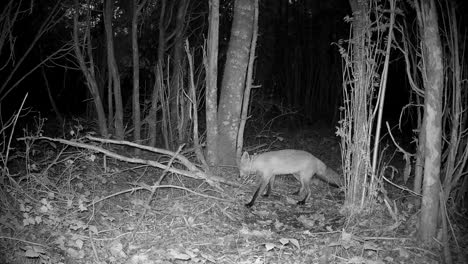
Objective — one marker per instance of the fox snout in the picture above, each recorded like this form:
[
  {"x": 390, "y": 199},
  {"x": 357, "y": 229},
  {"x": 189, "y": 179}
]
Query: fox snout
[
  {"x": 242, "y": 173},
  {"x": 245, "y": 165},
  {"x": 244, "y": 170}
]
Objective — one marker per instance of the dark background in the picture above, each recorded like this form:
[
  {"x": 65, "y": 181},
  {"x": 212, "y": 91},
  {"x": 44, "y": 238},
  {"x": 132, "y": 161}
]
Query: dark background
[{"x": 297, "y": 65}]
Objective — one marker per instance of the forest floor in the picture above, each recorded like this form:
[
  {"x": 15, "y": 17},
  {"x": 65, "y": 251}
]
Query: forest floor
[{"x": 47, "y": 217}]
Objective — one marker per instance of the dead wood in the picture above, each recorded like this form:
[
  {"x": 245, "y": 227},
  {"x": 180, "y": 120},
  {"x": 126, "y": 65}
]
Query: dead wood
[{"x": 191, "y": 171}]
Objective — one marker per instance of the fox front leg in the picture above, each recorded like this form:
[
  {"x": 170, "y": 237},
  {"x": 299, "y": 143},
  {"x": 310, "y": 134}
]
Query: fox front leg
[
  {"x": 263, "y": 185},
  {"x": 253, "y": 198}
]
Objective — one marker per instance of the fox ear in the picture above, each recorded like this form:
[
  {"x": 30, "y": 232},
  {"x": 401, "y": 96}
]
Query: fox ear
[{"x": 245, "y": 156}]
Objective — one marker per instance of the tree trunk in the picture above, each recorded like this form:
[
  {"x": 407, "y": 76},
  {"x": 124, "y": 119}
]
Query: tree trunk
[
  {"x": 89, "y": 72},
  {"x": 112, "y": 64},
  {"x": 158, "y": 76},
  {"x": 136, "y": 74},
  {"x": 211, "y": 83},
  {"x": 359, "y": 168},
  {"x": 248, "y": 85},
  {"x": 433, "y": 83},
  {"x": 178, "y": 122},
  {"x": 110, "y": 101},
  {"x": 235, "y": 70},
  {"x": 419, "y": 165}
]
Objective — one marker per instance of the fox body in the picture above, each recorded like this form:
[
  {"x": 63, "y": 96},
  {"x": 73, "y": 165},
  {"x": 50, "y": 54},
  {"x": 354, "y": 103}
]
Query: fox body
[{"x": 299, "y": 163}]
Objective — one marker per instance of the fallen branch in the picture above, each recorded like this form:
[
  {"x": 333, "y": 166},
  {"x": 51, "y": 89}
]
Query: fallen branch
[
  {"x": 183, "y": 160},
  {"x": 192, "y": 170}
]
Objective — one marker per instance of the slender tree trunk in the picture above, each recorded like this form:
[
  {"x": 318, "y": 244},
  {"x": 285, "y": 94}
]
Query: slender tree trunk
[
  {"x": 359, "y": 168},
  {"x": 211, "y": 83},
  {"x": 194, "y": 106},
  {"x": 176, "y": 103},
  {"x": 237, "y": 58},
  {"x": 112, "y": 64},
  {"x": 413, "y": 73},
  {"x": 158, "y": 75},
  {"x": 110, "y": 101},
  {"x": 248, "y": 84},
  {"x": 89, "y": 72},
  {"x": 136, "y": 73},
  {"x": 456, "y": 105},
  {"x": 433, "y": 83}
]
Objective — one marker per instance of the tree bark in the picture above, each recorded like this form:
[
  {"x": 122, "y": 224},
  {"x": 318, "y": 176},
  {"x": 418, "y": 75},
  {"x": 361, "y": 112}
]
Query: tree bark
[
  {"x": 211, "y": 83},
  {"x": 235, "y": 70},
  {"x": 158, "y": 76},
  {"x": 433, "y": 83},
  {"x": 136, "y": 74},
  {"x": 178, "y": 122},
  {"x": 113, "y": 68},
  {"x": 420, "y": 157}
]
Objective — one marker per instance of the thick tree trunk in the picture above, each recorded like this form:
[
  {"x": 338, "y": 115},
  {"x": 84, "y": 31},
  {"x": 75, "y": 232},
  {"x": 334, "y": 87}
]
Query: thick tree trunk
[
  {"x": 112, "y": 64},
  {"x": 433, "y": 83},
  {"x": 211, "y": 83},
  {"x": 237, "y": 59}
]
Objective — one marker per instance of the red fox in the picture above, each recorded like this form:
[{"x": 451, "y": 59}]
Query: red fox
[{"x": 299, "y": 163}]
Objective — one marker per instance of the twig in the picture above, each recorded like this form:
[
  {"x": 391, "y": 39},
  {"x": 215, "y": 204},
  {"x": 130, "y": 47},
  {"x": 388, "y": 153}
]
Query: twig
[
  {"x": 24, "y": 241},
  {"x": 385, "y": 238},
  {"x": 93, "y": 246},
  {"x": 424, "y": 250},
  {"x": 389, "y": 208},
  {"x": 401, "y": 187},
  {"x": 250, "y": 149},
  {"x": 406, "y": 153},
  {"x": 7, "y": 151}
]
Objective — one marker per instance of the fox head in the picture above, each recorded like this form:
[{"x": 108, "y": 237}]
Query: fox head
[{"x": 245, "y": 165}]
